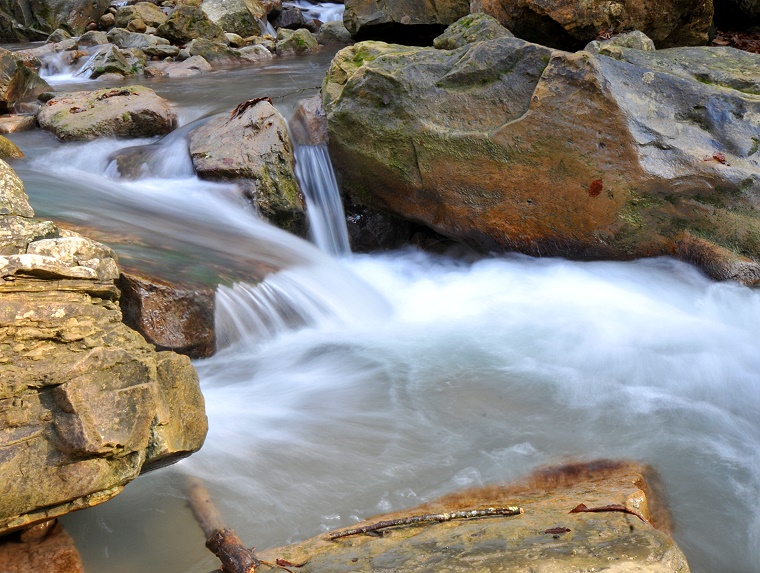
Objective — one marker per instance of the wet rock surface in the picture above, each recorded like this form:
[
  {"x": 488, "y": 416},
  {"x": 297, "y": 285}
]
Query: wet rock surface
[
  {"x": 43, "y": 547},
  {"x": 507, "y": 145},
  {"x": 252, "y": 148},
  {"x": 546, "y": 537}
]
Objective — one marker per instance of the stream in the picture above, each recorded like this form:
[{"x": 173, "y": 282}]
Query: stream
[{"x": 351, "y": 385}]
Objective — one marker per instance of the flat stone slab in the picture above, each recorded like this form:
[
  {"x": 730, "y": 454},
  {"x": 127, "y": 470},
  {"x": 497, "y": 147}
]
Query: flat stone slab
[{"x": 546, "y": 537}]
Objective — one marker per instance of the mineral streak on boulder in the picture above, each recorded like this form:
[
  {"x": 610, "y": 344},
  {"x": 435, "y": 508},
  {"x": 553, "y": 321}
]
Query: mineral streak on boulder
[
  {"x": 630, "y": 534},
  {"x": 507, "y": 145},
  {"x": 131, "y": 111},
  {"x": 86, "y": 403}
]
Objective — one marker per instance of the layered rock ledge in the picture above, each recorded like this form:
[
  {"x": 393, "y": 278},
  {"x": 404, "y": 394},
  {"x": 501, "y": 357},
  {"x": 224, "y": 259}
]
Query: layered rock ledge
[{"x": 86, "y": 404}]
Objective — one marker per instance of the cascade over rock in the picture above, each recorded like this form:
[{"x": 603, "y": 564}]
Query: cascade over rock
[
  {"x": 508, "y": 145},
  {"x": 131, "y": 111},
  {"x": 570, "y": 24},
  {"x": 254, "y": 150},
  {"x": 404, "y": 21},
  {"x": 85, "y": 403}
]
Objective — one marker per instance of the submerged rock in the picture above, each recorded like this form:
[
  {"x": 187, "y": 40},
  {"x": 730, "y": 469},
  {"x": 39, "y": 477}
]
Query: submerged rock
[
  {"x": 545, "y": 537},
  {"x": 85, "y": 403},
  {"x": 507, "y": 145},
  {"x": 132, "y": 111},
  {"x": 253, "y": 149},
  {"x": 173, "y": 317}
]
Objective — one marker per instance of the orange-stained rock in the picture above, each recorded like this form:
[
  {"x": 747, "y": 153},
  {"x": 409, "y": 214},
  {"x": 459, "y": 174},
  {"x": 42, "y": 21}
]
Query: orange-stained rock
[
  {"x": 43, "y": 548},
  {"x": 511, "y": 146}
]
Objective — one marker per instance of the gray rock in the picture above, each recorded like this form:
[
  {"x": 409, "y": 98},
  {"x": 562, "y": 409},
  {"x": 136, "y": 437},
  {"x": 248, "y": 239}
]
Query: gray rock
[
  {"x": 95, "y": 38},
  {"x": 334, "y": 33},
  {"x": 299, "y": 42},
  {"x": 216, "y": 54},
  {"x": 132, "y": 111},
  {"x": 188, "y": 23},
  {"x": 107, "y": 60},
  {"x": 254, "y": 150},
  {"x": 255, "y": 53},
  {"x": 290, "y": 17},
  {"x": 469, "y": 29},
  {"x": 635, "y": 40},
  {"x": 126, "y": 39},
  {"x": 58, "y": 35}
]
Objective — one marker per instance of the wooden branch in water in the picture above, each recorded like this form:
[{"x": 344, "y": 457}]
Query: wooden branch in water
[
  {"x": 222, "y": 541},
  {"x": 427, "y": 518},
  {"x": 581, "y": 508}
]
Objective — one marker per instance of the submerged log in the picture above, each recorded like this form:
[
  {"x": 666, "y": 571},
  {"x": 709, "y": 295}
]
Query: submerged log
[{"x": 221, "y": 541}]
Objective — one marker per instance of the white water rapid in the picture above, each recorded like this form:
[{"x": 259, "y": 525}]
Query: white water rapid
[{"x": 345, "y": 387}]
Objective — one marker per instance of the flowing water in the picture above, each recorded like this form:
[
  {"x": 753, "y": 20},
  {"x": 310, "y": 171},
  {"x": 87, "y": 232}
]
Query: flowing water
[{"x": 352, "y": 386}]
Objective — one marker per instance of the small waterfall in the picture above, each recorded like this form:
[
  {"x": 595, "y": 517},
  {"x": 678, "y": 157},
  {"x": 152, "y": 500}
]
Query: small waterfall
[
  {"x": 266, "y": 27},
  {"x": 327, "y": 220},
  {"x": 322, "y": 11}
]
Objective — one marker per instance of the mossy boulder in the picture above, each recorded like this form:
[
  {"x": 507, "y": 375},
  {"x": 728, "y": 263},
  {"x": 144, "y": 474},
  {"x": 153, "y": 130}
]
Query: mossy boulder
[
  {"x": 241, "y": 17},
  {"x": 25, "y": 20},
  {"x": 149, "y": 13},
  {"x": 254, "y": 150},
  {"x": 107, "y": 60},
  {"x": 296, "y": 42},
  {"x": 131, "y": 111},
  {"x": 187, "y": 23},
  {"x": 507, "y": 145}
]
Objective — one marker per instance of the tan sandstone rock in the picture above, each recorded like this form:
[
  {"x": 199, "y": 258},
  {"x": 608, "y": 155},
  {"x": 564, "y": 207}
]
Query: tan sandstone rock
[
  {"x": 546, "y": 537},
  {"x": 86, "y": 403}
]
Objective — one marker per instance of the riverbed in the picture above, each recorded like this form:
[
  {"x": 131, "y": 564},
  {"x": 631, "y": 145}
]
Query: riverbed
[{"x": 393, "y": 378}]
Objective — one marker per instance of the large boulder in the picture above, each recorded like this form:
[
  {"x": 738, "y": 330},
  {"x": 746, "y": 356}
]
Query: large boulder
[
  {"x": 17, "y": 81},
  {"x": 508, "y": 145},
  {"x": 86, "y": 403},
  {"x": 402, "y": 21},
  {"x": 543, "y": 527},
  {"x": 252, "y": 147},
  {"x": 570, "y": 24},
  {"x": 132, "y": 111},
  {"x": 23, "y": 20},
  {"x": 187, "y": 23},
  {"x": 241, "y": 17}
]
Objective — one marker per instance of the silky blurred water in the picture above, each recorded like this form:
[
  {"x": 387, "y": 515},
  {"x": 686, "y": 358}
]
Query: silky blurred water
[{"x": 348, "y": 387}]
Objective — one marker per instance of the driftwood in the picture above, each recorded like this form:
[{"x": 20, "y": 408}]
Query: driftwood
[
  {"x": 222, "y": 541},
  {"x": 428, "y": 518},
  {"x": 581, "y": 508}
]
